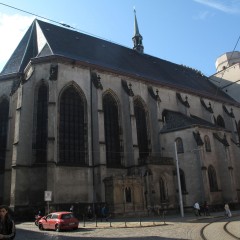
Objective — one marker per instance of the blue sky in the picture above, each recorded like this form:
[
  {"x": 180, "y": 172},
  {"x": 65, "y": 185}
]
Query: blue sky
[{"x": 189, "y": 32}]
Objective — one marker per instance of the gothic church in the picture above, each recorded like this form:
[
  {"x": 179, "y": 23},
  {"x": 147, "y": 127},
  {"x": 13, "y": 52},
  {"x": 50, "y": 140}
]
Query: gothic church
[{"x": 94, "y": 122}]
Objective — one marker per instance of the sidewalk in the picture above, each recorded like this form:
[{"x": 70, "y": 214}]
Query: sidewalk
[
  {"x": 189, "y": 217},
  {"x": 150, "y": 221}
]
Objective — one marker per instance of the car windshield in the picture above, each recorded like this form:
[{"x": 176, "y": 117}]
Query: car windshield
[{"x": 67, "y": 216}]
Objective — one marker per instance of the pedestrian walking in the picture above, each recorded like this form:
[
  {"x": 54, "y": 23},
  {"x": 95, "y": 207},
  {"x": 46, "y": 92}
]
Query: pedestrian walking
[
  {"x": 196, "y": 207},
  {"x": 227, "y": 210},
  {"x": 71, "y": 208},
  {"x": 7, "y": 226},
  {"x": 105, "y": 212},
  {"x": 89, "y": 212},
  {"x": 206, "y": 209}
]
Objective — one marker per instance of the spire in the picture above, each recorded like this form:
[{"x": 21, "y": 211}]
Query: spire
[
  {"x": 136, "y": 30},
  {"x": 137, "y": 38}
]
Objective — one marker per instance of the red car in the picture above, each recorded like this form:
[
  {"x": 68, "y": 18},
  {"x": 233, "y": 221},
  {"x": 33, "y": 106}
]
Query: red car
[{"x": 58, "y": 221}]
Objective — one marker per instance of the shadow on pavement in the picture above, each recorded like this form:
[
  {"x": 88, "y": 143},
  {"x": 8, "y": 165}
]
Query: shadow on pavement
[{"x": 23, "y": 234}]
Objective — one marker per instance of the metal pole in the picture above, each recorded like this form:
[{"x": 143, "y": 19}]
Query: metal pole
[
  {"x": 48, "y": 206},
  {"x": 179, "y": 182}
]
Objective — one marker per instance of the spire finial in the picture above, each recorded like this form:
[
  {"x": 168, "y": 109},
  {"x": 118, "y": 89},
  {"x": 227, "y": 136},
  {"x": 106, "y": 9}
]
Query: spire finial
[{"x": 137, "y": 38}]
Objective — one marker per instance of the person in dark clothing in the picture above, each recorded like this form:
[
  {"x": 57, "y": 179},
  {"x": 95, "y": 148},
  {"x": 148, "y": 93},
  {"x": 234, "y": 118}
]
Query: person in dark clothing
[
  {"x": 206, "y": 209},
  {"x": 7, "y": 226},
  {"x": 105, "y": 212},
  {"x": 89, "y": 212}
]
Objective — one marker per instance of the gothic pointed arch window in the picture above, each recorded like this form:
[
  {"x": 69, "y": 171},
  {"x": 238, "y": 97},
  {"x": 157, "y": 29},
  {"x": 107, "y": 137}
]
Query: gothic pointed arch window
[
  {"x": 4, "y": 108},
  {"x": 73, "y": 148},
  {"x": 183, "y": 181},
  {"x": 238, "y": 130},
  {"x": 207, "y": 143},
  {"x": 163, "y": 190},
  {"x": 142, "y": 131},
  {"x": 40, "y": 126},
  {"x": 179, "y": 144},
  {"x": 112, "y": 131},
  {"x": 128, "y": 194},
  {"x": 220, "y": 121},
  {"x": 212, "y": 177}
]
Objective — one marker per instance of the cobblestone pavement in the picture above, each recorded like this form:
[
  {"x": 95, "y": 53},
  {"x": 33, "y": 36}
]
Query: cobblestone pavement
[
  {"x": 152, "y": 229},
  {"x": 234, "y": 228}
]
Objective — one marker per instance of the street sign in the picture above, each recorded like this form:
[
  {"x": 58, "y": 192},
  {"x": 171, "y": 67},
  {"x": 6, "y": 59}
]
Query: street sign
[{"x": 48, "y": 196}]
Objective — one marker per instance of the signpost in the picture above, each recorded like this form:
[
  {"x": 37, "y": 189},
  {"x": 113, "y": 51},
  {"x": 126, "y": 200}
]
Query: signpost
[{"x": 48, "y": 197}]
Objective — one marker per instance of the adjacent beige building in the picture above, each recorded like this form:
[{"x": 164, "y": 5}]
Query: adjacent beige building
[{"x": 227, "y": 77}]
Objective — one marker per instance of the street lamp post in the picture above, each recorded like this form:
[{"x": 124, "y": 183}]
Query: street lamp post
[{"x": 179, "y": 182}]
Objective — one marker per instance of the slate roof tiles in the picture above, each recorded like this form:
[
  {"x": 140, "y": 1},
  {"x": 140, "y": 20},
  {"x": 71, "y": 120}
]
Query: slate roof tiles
[{"x": 81, "y": 47}]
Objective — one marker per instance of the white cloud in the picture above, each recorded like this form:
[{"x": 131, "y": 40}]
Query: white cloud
[
  {"x": 203, "y": 15},
  {"x": 12, "y": 29},
  {"x": 228, "y": 6}
]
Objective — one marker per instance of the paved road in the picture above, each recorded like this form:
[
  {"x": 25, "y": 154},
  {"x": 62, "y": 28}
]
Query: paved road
[
  {"x": 152, "y": 229},
  {"x": 224, "y": 228}
]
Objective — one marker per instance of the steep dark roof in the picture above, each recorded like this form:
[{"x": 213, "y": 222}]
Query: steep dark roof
[
  {"x": 81, "y": 47},
  {"x": 175, "y": 121},
  {"x": 26, "y": 49}
]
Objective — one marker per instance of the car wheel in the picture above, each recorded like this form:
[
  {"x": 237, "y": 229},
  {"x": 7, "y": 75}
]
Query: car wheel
[
  {"x": 40, "y": 226},
  {"x": 57, "y": 228}
]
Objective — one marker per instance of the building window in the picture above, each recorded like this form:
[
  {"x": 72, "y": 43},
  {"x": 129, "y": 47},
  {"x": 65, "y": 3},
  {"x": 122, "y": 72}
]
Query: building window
[
  {"x": 179, "y": 144},
  {"x": 212, "y": 177},
  {"x": 128, "y": 194},
  {"x": 112, "y": 133},
  {"x": 238, "y": 130},
  {"x": 207, "y": 144},
  {"x": 183, "y": 182},
  {"x": 41, "y": 125},
  {"x": 163, "y": 192},
  {"x": 220, "y": 121},
  {"x": 72, "y": 128},
  {"x": 142, "y": 133},
  {"x": 4, "y": 108}
]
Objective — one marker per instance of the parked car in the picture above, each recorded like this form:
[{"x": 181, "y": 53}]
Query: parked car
[{"x": 58, "y": 221}]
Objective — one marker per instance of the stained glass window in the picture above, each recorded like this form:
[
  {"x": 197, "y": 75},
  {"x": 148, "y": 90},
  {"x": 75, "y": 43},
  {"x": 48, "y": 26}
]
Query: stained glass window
[
  {"x": 142, "y": 133},
  {"x": 212, "y": 177},
  {"x": 111, "y": 125},
  {"x": 4, "y": 108},
  {"x": 72, "y": 128},
  {"x": 163, "y": 193},
  {"x": 41, "y": 125}
]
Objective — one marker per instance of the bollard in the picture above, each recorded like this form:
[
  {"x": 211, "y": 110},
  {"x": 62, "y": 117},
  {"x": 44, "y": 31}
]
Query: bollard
[
  {"x": 164, "y": 212},
  {"x": 110, "y": 222},
  {"x": 140, "y": 220},
  {"x": 96, "y": 219},
  {"x": 83, "y": 220},
  {"x": 125, "y": 223}
]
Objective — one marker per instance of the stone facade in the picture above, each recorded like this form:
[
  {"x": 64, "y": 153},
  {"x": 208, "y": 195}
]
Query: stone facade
[{"x": 144, "y": 175}]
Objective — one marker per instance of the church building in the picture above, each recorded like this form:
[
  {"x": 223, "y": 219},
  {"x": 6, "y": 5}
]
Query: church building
[{"x": 88, "y": 121}]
